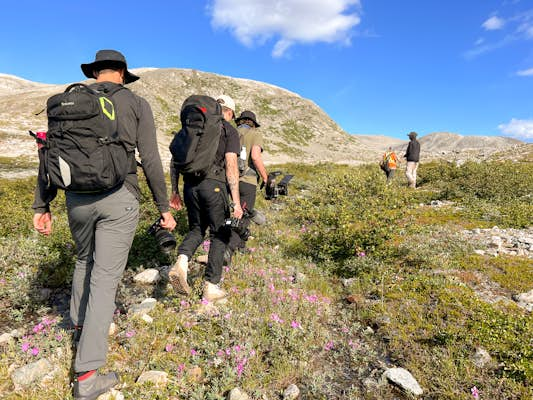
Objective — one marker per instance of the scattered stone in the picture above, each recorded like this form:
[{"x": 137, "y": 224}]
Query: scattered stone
[
  {"x": 196, "y": 374},
  {"x": 112, "y": 329},
  {"x": 482, "y": 358},
  {"x": 148, "y": 277},
  {"x": 113, "y": 394},
  {"x": 291, "y": 393},
  {"x": 146, "y": 318},
  {"x": 525, "y": 300},
  {"x": 146, "y": 306},
  {"x": 5, "y": 338},
  {"x": 404, "y": 380},
  {"x": 512, "y": 242},
  {"x": 158, "y": 378},
  {"x": 348, "y": 282},
  {"x": 31, "y": 373},
  {"x": 238, "y": 394},
  {"x": 368, "y": 331}
]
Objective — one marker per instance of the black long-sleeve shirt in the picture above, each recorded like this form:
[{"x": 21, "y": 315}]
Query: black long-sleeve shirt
[
  {"x": 136, "y": 129},
  {"x": 413, "y": 151}
]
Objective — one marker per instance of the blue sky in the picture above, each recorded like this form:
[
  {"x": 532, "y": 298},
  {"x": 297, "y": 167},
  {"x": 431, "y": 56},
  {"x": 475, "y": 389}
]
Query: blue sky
[{"x": 382, "y": 67}]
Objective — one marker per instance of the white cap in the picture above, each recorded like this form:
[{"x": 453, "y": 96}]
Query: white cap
[{"x": 226, "y": 101}]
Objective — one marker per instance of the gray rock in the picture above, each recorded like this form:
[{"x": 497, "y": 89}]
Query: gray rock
[
  {"x": 146, "y": 306},
  {"x": 482, "y": 358},
  {"x": 5, "y": 338},
  {"x": 525, "y": 300},
  {"x": 31, "y": 373},
  {"x": 238, "y": 394},
  {"x": 291, "y": 393},
  {"x": 113, "y": 394},
  {"x": 158, "y": 378},
  {"x": 147, "y": 277},
  {"x": 480, "y": 252},
  {"x": 404, "y": 379}
]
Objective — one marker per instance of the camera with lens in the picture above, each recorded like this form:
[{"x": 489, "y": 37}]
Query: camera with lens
[
  {"x": 273, "y": 188},
  {"x": 165, "y": 240},
  {"x": 239, "y": 226}
]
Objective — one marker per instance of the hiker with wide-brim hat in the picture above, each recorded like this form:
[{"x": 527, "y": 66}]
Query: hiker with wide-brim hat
[
  {"x": 108, "y": 59},
  {"x": 103, "y": 223},
  {"x": 247, "y": 115}
]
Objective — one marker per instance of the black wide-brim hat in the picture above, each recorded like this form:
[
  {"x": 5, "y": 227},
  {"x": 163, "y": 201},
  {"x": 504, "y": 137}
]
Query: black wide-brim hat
[
  {"x": 248, "y": 115},
  {"x": 109, "y": 58}
]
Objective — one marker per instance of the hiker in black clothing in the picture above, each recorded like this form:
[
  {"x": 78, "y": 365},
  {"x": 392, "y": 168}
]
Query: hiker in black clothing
[
  {"x": 103, "y": 224},
  {"x": 412, "y": 154},
  {"x": 206, "y": 200}
]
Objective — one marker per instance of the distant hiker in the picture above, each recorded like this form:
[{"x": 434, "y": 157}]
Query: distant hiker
[
  {"x": 102, "y": 222},
  {"x": 251, "y": 169},
  {"x": 206, "y": 199},
  {"x": 389, "y": 163},
  {"x": 412, "y": 155}
]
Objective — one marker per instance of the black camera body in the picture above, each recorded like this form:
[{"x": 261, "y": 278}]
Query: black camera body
[
  {"x": 238, "y": 226},
  {"x": 165, "y": 240},
  {"x": 274, "y": 189}
]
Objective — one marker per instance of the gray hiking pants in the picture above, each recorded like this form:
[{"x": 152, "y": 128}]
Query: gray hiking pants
[{"x": 103, "y": 227}]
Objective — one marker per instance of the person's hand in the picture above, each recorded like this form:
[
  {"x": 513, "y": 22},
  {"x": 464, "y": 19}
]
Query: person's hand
[
  {"x": 167, "y": 221},
  {"x": 175, "y": 201},
  {"x": 42, "y": 222},
  {"x": 237, "y": 211}
]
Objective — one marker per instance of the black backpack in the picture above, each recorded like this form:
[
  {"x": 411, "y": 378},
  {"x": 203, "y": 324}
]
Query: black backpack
[
  {"x": 194, "y": 147},
  {"x": 83, "y": 151}
]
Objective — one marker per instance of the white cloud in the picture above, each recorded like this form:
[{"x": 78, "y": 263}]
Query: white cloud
[
  {"x": 525, "y": 72},
  {"x": 287, "y": 21},
  {"x": 493, "y": 23},
  {"x": 518, "y": 128}
]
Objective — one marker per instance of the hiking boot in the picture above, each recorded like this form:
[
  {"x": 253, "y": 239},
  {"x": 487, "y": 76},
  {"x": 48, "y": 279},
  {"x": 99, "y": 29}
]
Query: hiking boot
[
  {"x": 93, "y": 386},
  {"x": 213, "y": 292},
  {"x": 178, "y": 275},
  {"x": 202, "y": 259}
]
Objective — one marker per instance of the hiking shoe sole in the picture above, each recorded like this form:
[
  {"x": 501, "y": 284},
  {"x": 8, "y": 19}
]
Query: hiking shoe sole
[{"x": 178, "y": 280}]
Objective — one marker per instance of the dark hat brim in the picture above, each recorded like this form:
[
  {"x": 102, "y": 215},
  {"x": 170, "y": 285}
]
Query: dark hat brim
[
  {"x": 88, "y": 70},
  {"x": 247, "y": 115}
]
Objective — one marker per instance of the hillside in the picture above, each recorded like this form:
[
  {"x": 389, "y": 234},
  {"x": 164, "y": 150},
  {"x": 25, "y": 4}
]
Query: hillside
[{"x": 295, "y": 129}]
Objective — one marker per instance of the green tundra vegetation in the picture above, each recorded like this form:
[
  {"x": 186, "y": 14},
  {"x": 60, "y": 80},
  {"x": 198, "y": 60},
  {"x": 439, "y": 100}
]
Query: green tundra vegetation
[{"x": 347, "y": 278}]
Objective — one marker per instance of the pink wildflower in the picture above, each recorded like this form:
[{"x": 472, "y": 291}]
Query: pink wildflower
[
  {"x": 130, "y": 334},
  {"x": 205, "y": 245},
  {"x": 296, "y": 325},
  {"x": 361, "y": 254},
  {"x": 2, "y": 281},
  {"x": 34, "y": 351},
  {"x": 181, "y": 368},
  {"x": 475, "y": 392},
  {"x": 169, "y": 347},
  {"x": 227, "y": 316},
  {"x": 194, "y": 352},
  {"x": 275, "y": 317},
  {"x": 329, "y": 345},
  {"x": 59, "y": 337},
  {"x": 25, "y": 347},
  {"x": 205, "y": 302},
  {"x": 38, "y": 328},
  {"x": 184, "y": 304},
  {"x": 226, "y": 268}
]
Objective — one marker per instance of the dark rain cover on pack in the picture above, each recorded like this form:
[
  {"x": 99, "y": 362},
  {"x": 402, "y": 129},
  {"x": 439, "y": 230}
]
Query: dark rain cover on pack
[
  {"x": 194, "y": 147},
  {"x": 83, "y": 151}
]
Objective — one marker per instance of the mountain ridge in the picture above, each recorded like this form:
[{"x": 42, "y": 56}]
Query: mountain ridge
[{"x": 295, "y": 129}]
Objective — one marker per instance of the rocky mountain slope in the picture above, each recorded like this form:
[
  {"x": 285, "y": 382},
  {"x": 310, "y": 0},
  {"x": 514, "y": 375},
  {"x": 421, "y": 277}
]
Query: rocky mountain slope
[{"x": 294, "y": 128}]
